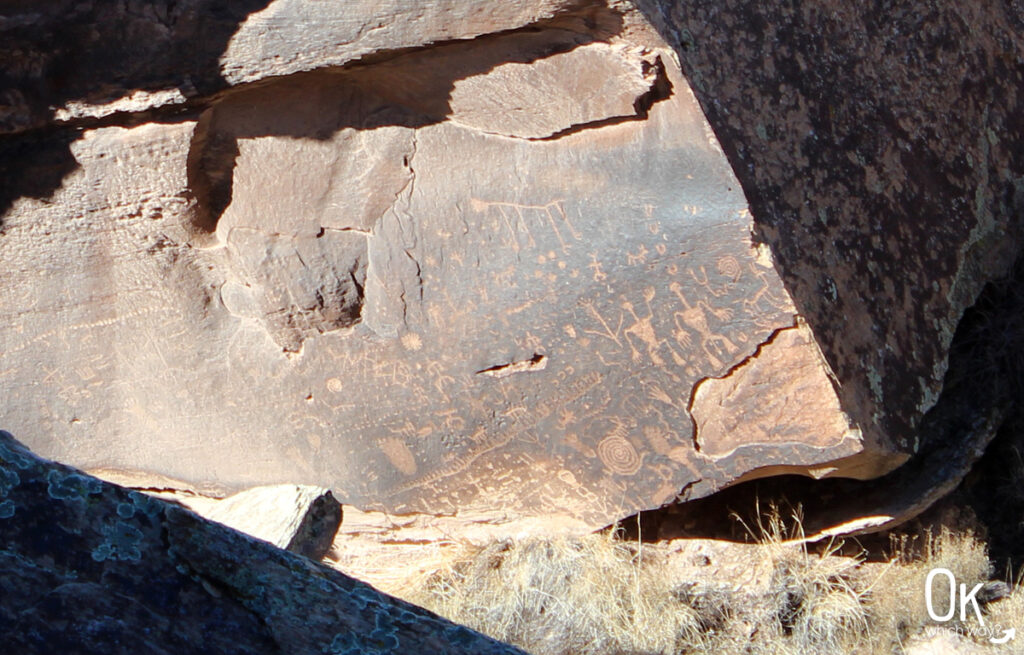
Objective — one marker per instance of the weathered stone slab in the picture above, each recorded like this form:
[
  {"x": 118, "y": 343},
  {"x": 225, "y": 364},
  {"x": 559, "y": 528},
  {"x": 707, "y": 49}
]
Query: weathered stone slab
[
  {"x": 89, "y": 567},
  {"x": 455, "y": 278},
  {"x": 301, "y": 519},
  {"x": 74, "y": 59},
  {"x": 781, "y": 395}
]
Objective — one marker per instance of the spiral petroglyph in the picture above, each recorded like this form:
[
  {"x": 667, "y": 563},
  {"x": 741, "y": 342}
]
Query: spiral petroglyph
[
  {"x": 730, "y": 267},
  {"x": 619, "y": 455}
]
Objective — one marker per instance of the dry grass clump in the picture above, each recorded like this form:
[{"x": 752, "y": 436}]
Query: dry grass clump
[
  {"x": 563, "y": 596},
  {"x": 1008, "y": 613},
  {"x": 599, "y": 594},
  {"x": 818, "y": 607},
  {"x": 896, "y": 600},
  {"x": 812, "y": 603}
]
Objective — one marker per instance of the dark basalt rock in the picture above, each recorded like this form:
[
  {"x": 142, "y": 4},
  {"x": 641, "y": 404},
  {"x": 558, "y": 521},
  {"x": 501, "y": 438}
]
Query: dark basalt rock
[
  {"x": 90, "y": 567},
  {"x": 880, "y": 147}
]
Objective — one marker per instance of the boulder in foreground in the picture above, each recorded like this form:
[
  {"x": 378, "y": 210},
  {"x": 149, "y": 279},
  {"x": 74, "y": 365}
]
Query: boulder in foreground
[{"x": 89, "y": 567}]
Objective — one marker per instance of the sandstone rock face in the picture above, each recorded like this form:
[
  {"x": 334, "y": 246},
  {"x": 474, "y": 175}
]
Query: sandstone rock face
[
  {"x": 166, "y": 52},
  {"x": 89, "y": 567},
  {"x": 438, "y": 258}
]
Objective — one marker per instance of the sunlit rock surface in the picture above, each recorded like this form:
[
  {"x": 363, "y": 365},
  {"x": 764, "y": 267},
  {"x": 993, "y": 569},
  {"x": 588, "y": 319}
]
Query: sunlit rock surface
[{"x": 465, "y": 258}]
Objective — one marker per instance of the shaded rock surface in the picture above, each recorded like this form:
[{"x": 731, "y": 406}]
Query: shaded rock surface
[
  {"x": 167, "y": 52},
  {"x": 89, "y": 567}
]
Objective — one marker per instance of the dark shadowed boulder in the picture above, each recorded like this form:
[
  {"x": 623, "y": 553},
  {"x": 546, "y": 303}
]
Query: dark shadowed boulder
[
  {"x": 89, "y": 567},
  {"x": 880, "y": 148}
]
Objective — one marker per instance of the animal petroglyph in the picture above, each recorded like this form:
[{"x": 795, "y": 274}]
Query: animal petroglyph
[
  {"x": 639, "y": 257},
  {"x": 768, "y": 296},
  {"x": 518, "y": 219}
]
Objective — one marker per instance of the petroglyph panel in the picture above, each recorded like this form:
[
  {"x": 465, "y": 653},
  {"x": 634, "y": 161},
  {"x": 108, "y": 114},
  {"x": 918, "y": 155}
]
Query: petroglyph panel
[{"x": 332, "y": 279}]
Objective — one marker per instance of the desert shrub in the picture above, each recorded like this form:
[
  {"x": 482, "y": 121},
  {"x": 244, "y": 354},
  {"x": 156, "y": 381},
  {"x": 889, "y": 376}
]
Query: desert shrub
[
  {"x": 895, "y": 599},
  {"x": 564, "y": 596},
  {"x": 600, "y": 594}
]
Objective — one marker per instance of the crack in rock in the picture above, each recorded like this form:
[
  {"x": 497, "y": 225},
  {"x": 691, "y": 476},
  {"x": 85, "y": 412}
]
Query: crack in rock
[{"x": 535, "y": 363}]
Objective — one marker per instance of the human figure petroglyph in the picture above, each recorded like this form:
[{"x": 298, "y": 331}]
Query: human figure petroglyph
[
  {"x": 694, "y": 317},
  {"x": 727, "y": 267},
  {"x": 436, "y": 315},
  {"x": 450, "y": 420},
  {"x": 441, "y": 380},
  {"x": 705, "y": 283},
  {"x": 531, "y": 341},
  {"x": 775, "y": 299},
  {"x": 423, "y": 397},
  {"x": 639, "y": 258},
  {"x": 595, "y": 266},
  {"x": 566, "y": 418},
  {"x": 643, "y": 330}
]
